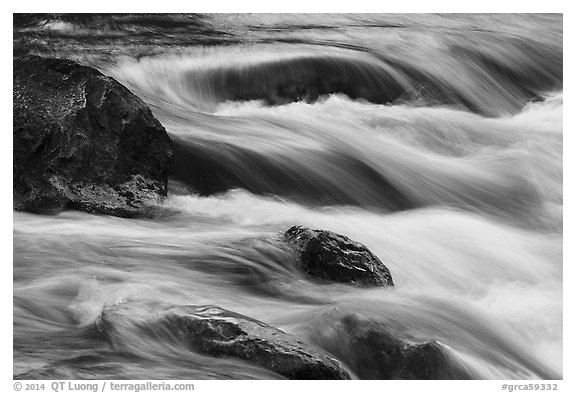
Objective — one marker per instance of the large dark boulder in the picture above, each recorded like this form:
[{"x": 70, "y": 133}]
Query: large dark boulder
[
  {"x": 373, "y": 352},
  {"x": 335, "y": 257},
  {"x": 83, "y": 141},
  {"x": 218, "y": 332}
]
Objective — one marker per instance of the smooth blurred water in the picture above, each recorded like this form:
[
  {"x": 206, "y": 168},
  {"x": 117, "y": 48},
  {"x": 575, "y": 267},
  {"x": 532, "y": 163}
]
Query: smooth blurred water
[{"x": 436, "y": 141}]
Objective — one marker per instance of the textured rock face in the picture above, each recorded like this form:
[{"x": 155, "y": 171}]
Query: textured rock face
[
  {"x": 334, "y": 257},
  {"x": 374, "y": 353},
  {"x": 221, "y": 333},
  {"x": 83, "y": 141}
]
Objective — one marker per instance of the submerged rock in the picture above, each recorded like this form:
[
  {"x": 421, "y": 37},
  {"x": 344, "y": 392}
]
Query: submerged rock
[
  {"x": 221, "y": 333},
  {"x": 335, "y": 257},
  {"x": 83, "y": 141},
  {"x": 373, "y": 353}
]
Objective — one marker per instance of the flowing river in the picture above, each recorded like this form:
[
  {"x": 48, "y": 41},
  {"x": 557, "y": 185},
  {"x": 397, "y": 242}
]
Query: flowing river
[{"x": 434, "y": 140}]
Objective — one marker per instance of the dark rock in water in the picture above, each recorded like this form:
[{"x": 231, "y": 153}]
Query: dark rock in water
[
  {"x": 335, "y": 257},
  {"x": 374, "y": 353},
  {"x": 83, "y": 141},
  {"x": 221, "y": 333}
]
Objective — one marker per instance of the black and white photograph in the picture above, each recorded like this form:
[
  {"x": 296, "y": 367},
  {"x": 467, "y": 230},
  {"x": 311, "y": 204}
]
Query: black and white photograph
[{"x": 294, "y": 196}]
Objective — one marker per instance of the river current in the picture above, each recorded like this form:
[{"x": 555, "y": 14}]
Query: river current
[{"x": 434, "y": 140}]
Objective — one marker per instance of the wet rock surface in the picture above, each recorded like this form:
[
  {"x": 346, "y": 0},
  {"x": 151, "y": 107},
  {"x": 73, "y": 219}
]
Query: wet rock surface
[
  {"x": 330, "y": 256},
  {"x": 83, "y": 141},
  {"x": 372, "y": 352},
  {"x": 218, "y": 332}
]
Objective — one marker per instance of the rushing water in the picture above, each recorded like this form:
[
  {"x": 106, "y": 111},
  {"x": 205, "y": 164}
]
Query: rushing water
[{"x": 436, "y": 141}]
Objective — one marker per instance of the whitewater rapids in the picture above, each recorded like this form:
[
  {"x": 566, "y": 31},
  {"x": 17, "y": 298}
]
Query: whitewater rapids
[{"x": 443, "y": 157}]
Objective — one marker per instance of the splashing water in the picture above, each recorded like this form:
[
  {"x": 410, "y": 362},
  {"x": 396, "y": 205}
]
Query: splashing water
[{"x": 443, "y": 157}]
